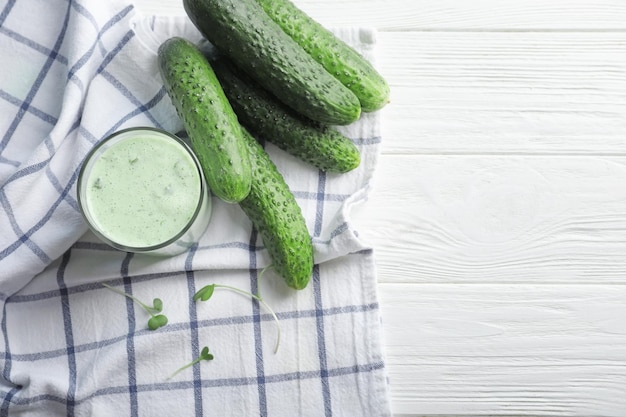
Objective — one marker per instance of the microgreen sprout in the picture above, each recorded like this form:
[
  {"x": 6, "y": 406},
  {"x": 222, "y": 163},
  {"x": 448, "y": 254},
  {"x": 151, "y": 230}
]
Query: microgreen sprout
[
  {"x": 206, "y": 292},
  {"x": 204, "y": 356},
  {"x": 156, "y": 320}
]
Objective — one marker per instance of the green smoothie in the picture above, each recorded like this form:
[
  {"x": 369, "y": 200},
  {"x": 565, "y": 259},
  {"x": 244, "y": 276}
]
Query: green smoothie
[{"x": 142, "y": 190}]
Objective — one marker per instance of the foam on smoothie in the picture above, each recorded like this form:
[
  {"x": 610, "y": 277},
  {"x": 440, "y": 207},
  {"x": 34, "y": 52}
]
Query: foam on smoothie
[{"x": 143, "y": 190}]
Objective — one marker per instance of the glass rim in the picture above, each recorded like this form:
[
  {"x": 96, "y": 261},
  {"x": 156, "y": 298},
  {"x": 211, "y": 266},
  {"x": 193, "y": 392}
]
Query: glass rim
[{"x": 204, "y": 193}]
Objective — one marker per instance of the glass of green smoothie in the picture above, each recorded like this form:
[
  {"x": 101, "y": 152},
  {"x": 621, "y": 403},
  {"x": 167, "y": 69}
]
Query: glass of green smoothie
[{"x": 142, "y": 190}]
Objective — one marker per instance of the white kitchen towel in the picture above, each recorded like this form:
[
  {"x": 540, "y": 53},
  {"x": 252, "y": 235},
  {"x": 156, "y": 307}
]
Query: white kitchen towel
[{"x": 73, "y": 72}]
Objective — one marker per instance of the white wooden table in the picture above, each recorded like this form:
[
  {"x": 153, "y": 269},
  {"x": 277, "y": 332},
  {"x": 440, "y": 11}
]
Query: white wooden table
[{"x": 499, "y": 209}]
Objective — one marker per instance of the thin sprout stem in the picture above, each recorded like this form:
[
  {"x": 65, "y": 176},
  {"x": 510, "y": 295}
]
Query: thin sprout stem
[
  {"x": 263, "y": 303},
  {"x": 182, "y": 368},
  {"x": 258, "y": 280},
  {"x": 277, "y": 323},
  {"x": 144, "y": 306},
  {"x": 240, "y": 291}
]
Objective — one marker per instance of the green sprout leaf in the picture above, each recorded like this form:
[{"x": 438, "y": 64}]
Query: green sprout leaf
[
  {"x": 204, "y": 293},
  {"x": 205, "y": 355},
  {"x": 155, "y": 321},
  {"x": 157, "y": 305}
]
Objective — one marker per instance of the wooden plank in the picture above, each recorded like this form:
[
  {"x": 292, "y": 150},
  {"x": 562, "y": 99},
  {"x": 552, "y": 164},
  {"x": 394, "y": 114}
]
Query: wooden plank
[
  {"x": 514, "y": 350},
  {"x": 544, "y": 93},
  {"x": 498, "y": 219},
  {"x": 463, "y": 15},
  {"x": 451, "y": 14},
  {"x": 492, "y": 93}
]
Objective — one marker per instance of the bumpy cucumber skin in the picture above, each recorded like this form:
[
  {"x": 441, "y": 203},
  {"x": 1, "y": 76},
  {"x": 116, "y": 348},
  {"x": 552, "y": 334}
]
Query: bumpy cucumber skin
[
  {"x": 208, "y": 117},
  {"x": 276, "y": 215},
  {"x": 342, "y": 61},
  {"x": 246, "y": 34},
  {"x": 266, "y": 117}
]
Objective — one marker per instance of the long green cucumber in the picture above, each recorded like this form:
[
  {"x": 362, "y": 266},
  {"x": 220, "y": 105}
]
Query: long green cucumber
[
  {"x": 245, "y": 33},
  {"x": 275, "y": 213},
  {"x": 208, "y": 117},
  {"x": 266, "y": 117},
  {"x": 335, "y": 55}
]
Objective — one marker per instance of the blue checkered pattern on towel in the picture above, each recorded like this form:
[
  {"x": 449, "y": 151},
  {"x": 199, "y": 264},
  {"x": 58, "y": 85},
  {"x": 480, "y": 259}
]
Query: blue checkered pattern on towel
[{"x": 73, "y": 72}]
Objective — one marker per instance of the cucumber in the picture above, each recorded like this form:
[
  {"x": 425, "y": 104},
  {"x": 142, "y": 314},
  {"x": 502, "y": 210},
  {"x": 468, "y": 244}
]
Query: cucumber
[
  {"x": 266, "y": 117},
  {"x": 210, "y": 122},
  {"x": 276, "y": 215},
  {"x": 245, "y": 33},
  {"x": 342, "y": 61}
]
